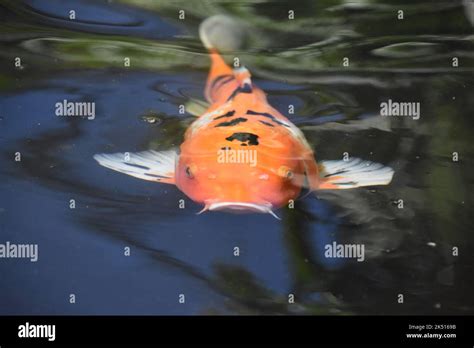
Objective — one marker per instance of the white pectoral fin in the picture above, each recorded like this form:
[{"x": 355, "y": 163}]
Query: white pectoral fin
[
  {"x": 337, "y": 175},
  {"x": 149, "y": 165}
]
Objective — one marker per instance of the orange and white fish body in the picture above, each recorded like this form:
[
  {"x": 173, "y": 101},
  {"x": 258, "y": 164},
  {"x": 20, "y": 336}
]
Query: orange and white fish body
[{"x": 242, "y": 154}]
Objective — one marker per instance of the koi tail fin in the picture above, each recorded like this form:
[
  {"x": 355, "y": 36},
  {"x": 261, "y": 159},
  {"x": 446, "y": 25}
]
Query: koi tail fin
[
  {"x": 223, "y": 34},
  {"x": 337, "y": 175},
  {"x": 220, "y": 81},
  {"x": 147, "y": 165}
]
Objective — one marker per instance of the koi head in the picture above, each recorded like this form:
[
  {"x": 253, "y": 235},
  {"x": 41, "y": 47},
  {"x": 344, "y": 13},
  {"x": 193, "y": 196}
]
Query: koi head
[{"x": 239, "y": 178}]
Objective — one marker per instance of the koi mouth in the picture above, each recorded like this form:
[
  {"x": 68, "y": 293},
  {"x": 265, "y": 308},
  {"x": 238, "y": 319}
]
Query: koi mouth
[{"x": 242, "y": 207}]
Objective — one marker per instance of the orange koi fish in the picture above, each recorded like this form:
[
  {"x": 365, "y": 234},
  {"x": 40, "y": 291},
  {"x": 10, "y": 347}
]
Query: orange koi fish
[{"x": 242, "y": 154}]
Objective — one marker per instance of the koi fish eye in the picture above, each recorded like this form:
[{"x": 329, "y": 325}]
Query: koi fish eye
[
  {"x": 285, "y": 172},
  {"x": 189, "y": 172}
]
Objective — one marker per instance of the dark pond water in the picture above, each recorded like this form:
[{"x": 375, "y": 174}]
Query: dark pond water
[{"x": 423, "y": 251}]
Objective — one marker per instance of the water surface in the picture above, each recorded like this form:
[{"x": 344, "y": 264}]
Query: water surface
[{"x": 297, "y": 62}]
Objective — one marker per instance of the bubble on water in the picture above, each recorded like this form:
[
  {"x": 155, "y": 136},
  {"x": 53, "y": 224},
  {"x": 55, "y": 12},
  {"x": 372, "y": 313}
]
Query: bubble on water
[{"x": 152, "y": 118}]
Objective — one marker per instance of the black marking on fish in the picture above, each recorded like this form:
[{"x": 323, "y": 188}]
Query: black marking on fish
[
  {"x": 157, "y": 176},
  {"x": 137, "y": 166},
  {"x": 232, "y": 122},
  {"x": 228, "y": 114},
  {"x": 222, "y": 79},
  {"x": 346, "y": 183},
  {"x": 246, "y": 138},
  {"x": 266, "y": 114},
  {"x": 226, "y": 148},
  {"x": 267, "y": 123},
  {"x": 336, "y": 173},
  {"x": 234, "y": 93},
  {"x": 245, "y": 89}
]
